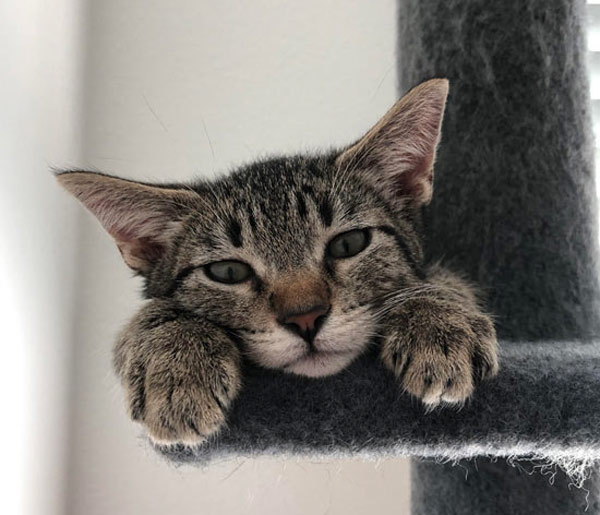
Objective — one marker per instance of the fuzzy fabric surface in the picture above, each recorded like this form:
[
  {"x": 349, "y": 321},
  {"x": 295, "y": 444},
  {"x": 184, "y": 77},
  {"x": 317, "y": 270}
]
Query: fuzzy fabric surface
[
  {"x": 514, "y": 201},
  {"x": 530, "y": 409},
  {"x": 514, "y": 206},
  {"x": 492, "y": 488}
]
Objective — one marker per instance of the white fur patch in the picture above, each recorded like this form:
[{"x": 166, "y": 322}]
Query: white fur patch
[{"x": 342, "y": 338}]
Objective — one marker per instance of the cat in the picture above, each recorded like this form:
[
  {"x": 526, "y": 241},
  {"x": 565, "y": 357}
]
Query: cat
[{"x": 299, "y": 264}]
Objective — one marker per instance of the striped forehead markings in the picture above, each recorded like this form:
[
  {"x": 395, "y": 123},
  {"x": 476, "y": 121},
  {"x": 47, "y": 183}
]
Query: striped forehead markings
[
  {"x": 326, "y": 211},
  {"x": 301, "y": 204},
  {"x": 252, "y": 220},
  {"x": 234, "y": 232}
]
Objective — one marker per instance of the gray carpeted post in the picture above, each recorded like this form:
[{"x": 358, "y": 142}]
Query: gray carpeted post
[
  {"x": 514, "y": 202},
  {"x": 482, "y": 487}
]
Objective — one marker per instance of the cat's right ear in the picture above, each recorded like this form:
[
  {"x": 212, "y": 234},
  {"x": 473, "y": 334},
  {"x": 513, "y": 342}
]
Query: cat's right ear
[
  {"x": 141, "y": 218},
  {"x": 398, "y": 153}
]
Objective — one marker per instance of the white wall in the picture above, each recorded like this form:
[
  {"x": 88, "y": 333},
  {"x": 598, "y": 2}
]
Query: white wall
[
  {"x": 177, "y": 88},
  {"x": 40, "y": 80}
]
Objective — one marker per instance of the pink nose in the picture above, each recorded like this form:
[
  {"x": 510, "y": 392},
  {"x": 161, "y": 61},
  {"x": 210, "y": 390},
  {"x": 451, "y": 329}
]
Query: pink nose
[{"x": 307, "y": 323}]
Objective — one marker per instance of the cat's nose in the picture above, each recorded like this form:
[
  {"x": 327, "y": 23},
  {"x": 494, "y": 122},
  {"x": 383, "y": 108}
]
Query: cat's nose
[{"x": 307, "y": 323}]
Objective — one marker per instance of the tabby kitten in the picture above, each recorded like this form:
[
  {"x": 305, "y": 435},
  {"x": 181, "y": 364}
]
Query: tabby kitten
[{"x": 296, "y": 262}]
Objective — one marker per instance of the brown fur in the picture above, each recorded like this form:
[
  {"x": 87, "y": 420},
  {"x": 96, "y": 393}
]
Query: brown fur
[
  {"x": 440, "y": 344},
  {"x": 180, "y": 374},
  {"x": 299, "y": 292}
]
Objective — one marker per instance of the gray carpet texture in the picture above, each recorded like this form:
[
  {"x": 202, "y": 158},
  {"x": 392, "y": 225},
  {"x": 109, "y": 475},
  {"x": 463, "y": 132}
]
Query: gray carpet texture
[
  {"x": 515, "y": 208},
  {"x": 496, "y": 487},
  {"x": 514, "y": 202},
  {"x": 530, "y": 409}
]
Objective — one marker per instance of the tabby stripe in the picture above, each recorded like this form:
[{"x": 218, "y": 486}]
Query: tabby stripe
[
  {"x": 252, "y": 220},
  {"x": 234, "y": 231},
  {"x": 412, "y": 261},
  {"x": 180, "y": 277},
  {"x": 301, "y": 205},
  {"x": 307, "y": 188},
  {"x": 326, "y": 212}
]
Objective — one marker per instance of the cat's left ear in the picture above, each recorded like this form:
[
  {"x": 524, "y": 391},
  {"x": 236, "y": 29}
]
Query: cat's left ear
[{"x": 398, "y": 153}]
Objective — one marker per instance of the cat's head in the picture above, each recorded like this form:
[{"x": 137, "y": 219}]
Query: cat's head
[{"x": 294, "y": 255}]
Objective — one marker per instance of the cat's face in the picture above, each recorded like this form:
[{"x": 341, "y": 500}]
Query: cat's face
[
  {"x": 291, "y": 255},
  {"x": 292, "y": 261}
]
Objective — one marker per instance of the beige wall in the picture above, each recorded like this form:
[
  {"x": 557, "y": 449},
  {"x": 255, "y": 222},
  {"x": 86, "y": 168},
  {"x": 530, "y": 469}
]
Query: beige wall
[{"x": 177, "y": 88}]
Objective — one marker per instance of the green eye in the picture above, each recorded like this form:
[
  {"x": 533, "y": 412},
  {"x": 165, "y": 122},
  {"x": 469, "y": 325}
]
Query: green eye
[
  {"x": 228, "y": 272},
  {"x": 348, "y": 244}
]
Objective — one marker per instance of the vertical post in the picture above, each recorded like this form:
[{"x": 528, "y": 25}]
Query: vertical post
[{"x": 514, "y": 199}]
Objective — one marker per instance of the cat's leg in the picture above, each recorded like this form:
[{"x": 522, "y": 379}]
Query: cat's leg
[
  {"x": 439, "y": 343},
  {"x": 180, "y": 373}
]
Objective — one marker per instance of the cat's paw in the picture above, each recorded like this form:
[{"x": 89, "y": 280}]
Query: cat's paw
[
  {"x": 180, "y": 377},
  {"x": 184, "y": 406},
  {"x": 440, "y": 352}
]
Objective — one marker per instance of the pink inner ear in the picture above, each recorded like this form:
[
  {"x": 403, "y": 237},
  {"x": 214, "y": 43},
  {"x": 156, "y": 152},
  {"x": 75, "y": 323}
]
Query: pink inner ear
[
  {"x": 141, "y": 218},
  {"x": 416, "y": 178},
  {"x": 406, "y": 150},
  {"x": 139, "y": 241},
  {"x": 142, "y": 249},
  {"x": 130, "y": 225}
]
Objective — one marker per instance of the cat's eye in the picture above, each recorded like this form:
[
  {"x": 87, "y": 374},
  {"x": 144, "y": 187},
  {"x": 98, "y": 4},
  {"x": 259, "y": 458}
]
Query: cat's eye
[
  {"x": 348, "y": 244},
  {"x": 228, "y": 272}
]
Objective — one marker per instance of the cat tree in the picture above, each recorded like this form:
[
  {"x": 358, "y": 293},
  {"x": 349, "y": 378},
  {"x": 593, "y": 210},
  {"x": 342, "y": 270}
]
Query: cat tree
[{"x": 514, "y": 206}]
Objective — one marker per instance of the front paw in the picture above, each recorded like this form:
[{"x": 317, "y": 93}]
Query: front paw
[
  {"x": 440, "y": 352},
  {"x": 180, "y": 376},
  {"x": 187, "y": 401}
]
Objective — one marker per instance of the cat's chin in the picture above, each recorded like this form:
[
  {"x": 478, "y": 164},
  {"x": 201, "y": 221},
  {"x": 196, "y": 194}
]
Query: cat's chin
[{"x": 320, "y": 364}]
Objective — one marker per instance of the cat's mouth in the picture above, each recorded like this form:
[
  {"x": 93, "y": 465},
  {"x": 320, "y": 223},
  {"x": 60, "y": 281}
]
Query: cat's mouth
[{"x": 320, "y": 363}]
